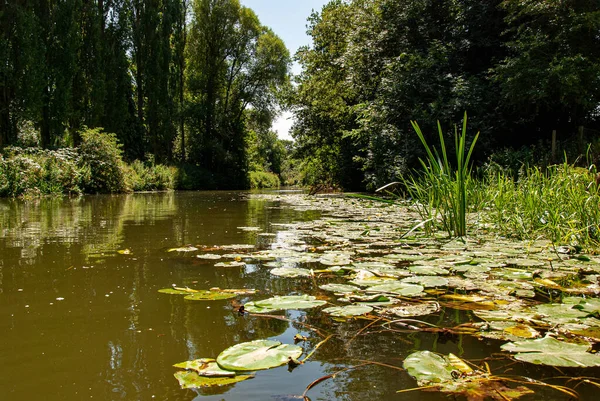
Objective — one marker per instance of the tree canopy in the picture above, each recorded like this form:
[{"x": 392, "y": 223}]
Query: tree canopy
[{"x": 520, "y": 68}]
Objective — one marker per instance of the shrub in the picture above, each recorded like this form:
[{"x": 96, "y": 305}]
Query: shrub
[
  {"x": 34, "y": 171},
  {"x": 261, "y": 179},
  {"x": 100, "y": 158},
  {"x": 151, "y": 177}
]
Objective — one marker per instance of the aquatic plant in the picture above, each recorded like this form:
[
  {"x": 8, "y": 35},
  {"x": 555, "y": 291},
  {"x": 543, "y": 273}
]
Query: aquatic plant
[{"x": 441, "y": 189}]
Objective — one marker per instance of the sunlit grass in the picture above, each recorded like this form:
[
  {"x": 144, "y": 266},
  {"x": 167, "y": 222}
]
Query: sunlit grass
[
  {"x": 442, "y": 189},
  {"x": 560, "y": 203}
]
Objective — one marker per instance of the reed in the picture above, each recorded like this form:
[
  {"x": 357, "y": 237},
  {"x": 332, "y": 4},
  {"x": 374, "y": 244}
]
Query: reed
[{"x": 441, "y": 190}]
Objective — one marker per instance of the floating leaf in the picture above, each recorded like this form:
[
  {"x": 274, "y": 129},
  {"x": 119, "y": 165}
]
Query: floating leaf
[
  {"x": 406, "y": 310},
  {"x": 177, "y": 291},
  {"x": 188, "y": 379},
  {"x": 560, "y": 313},
  {"x": 525, "y": 262},
  {"x": 183, "y": 249},
  {"x": 350, "y": 310},
  {"x": 549, "y": 351},
  {"x": 257, "y": 355},
  {"x": 428, "y": 368},
  {"x": 205, "y": 367},
  {"x": 290, "y": 272},
  {"x": 209, "y": 296},
  {"x": 250, "y": 229},
  {"x": 428, "y": 270},
  {"x": 279, "y": 303},
  {"x": 233, "y": 263},
  {"x": 522, "y": 330},
  {"x": 427, "y": 281},
  {"x": 399, "y": 288},
  {"x": 588, "y": 305},
  {"x": 452, "y": 375},
  {"x": 459, "y": 364},
  {"x": 341, "y": 288},
  {"x": 209, "y": 256}
]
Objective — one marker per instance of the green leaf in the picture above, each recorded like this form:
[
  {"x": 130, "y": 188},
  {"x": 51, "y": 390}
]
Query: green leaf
[
  {"x": 427, "y": 281},
  {"x": 349, "y": 310},
  {"x": 427, "y": 368},
  {"x": 406, "y": 310},
  {"x": 341, "y": 288},
  {"x": 290, "y": 272},
  {"x": 287, "y": 302},
  {"x": 205, "y": 367},
  {"x": 399, "y": 288},
  {"x": 183, "y": 249},
  {"x": 177, "y": 291},
  {"x": 209, "y": 296},
  {"x": 551, "y": 352},
  {"x": 257, "y": 355},
  {"x": 189, "y": 379}
]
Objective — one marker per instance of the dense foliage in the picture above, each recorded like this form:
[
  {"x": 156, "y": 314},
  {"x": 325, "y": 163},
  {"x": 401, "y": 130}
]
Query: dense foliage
[
  {"x": 520, "y": 68},
  {"x": 174, "y": 80}
]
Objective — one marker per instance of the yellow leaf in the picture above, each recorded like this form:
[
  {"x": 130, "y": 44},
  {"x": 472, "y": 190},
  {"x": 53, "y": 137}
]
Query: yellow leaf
[{"x": 459, "y": 364}]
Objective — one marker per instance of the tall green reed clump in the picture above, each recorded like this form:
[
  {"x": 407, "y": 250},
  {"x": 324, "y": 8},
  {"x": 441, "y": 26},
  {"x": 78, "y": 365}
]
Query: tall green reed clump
[
  {"x": 441, "y": 189},
  {"x": 561, "y": 203}
]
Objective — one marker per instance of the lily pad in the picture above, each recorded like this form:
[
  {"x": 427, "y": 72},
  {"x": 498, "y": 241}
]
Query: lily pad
[
  {"x": 407, "y": 310},
  {"x": 340, "y": 288},
  {"x": 209, "y": 296},
  {"x": 399, "y": 288},
  {"x": 428, "y": 368},
  {"x": 427, "y": 281},
  {"x": 177, "y": 291},
  {"x": 350, "y": 310},
  {"x": 233, "y": 263},
  {"x": 279, "y": 303},
  {"x": 209, "y": 256},
  {"x": 551, "y": 352},
  {"x": 189, "y": 379},
  {"x": 205, "y": 367},
  {"x": 428, "y": 270},
  {"x": 290, "y": 272},
  {"x": 183, "y": 249},
  {"x": 449, "y": 374},
  {"x": 257, "y": 355}
]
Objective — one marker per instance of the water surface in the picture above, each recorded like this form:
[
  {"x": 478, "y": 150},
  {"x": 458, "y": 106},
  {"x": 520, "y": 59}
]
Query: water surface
[{"x": 81, "y": 321}]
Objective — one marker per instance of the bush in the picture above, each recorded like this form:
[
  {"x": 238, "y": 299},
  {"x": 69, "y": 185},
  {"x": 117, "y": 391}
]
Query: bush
[
  {"x": 33, "y": 171},
  {"x": 101, "y": 160},
  {"x": 261, "y": 179},
  {"x": 151, "y": 177}
]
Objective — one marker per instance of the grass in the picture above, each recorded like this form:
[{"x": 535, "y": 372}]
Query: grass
[
  {"x": 559, "y": 202},
  {"x": 441, "y": 189}
]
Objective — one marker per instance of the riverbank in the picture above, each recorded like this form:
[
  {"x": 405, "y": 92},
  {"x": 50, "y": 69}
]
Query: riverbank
[{"x": 97, "y": 166}]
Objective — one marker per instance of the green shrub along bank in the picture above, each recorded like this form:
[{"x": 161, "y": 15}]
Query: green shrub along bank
[
  {"x": 262, "y": 179},
  {"x": 97, "y": 166}
]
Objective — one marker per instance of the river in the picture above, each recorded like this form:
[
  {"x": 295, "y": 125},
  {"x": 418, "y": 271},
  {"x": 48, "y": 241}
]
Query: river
[{"x": 81, "y": 316}]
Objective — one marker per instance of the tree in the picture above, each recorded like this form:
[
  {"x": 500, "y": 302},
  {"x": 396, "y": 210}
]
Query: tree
[
  {"x": 551, "y": 76},
  {"x": 234, "y": 64}
]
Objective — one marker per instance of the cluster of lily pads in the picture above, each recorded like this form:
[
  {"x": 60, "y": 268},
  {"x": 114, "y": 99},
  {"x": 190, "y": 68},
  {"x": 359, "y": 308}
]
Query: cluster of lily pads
[{"x": 366, "y": 259}]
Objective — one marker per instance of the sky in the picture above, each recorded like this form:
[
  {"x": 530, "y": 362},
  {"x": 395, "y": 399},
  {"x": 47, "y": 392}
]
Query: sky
[{"x": 287, "y": 18}]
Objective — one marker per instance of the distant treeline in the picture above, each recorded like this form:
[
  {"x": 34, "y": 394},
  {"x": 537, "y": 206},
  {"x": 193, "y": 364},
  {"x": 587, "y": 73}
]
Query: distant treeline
[
  {"x": 520, "y": 68},
  {"x": 186, "y": 81}
]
